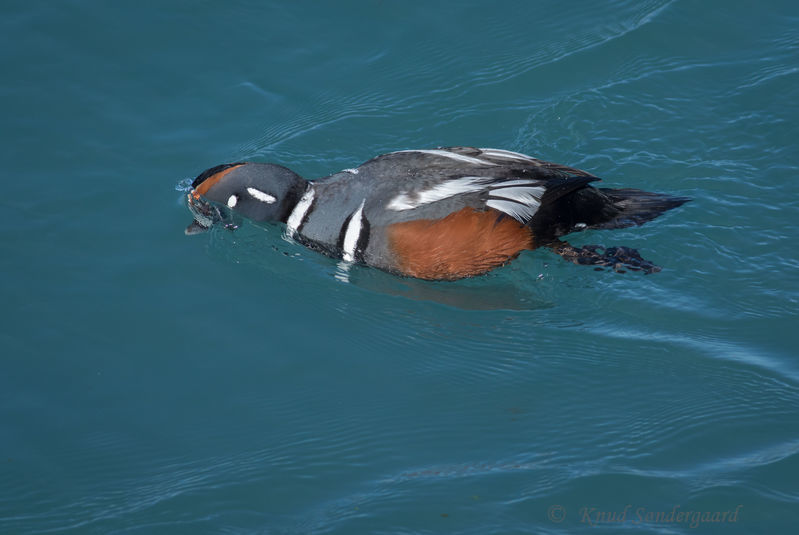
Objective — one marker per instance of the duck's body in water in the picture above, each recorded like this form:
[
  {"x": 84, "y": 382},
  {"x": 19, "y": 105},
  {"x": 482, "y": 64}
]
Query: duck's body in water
[{"x": 438, "y": 214}]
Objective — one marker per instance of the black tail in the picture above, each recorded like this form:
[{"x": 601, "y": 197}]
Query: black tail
[
  {"x": 599, "y": 208},
  {"x": 631, "y": 207}
]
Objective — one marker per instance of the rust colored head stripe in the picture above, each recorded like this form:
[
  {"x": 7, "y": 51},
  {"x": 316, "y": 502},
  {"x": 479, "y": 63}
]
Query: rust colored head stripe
[{"x": 208, "y": 178}]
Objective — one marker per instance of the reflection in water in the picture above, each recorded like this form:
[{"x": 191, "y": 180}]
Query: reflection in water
[{"x": 481, "y": 293}]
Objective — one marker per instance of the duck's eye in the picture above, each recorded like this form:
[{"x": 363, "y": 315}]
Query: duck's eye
[
  {"x": 261, "y": 196},
  {"x": 232, "y": 200}
]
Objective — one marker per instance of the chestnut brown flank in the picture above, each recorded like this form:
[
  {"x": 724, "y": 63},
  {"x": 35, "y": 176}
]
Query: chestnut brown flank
[
  {"x": 210, "y": 181},
  {"x": 465, "y": 243}
]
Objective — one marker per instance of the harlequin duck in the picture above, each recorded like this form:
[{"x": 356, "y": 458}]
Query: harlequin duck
[{"x": 439, "y": 214}]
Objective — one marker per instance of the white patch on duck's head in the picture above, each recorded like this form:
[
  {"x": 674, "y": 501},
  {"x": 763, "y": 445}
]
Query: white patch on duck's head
[{"x": 260, "y": 195}]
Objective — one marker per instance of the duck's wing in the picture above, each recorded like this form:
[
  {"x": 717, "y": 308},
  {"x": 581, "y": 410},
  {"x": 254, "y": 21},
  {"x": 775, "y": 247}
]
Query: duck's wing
[
  {"x": 440, "y": 181},
  {"x": 515, "y": 160}
]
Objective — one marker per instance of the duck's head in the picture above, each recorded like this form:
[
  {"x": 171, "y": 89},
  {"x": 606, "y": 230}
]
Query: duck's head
[{"x": 258, "y": 191}]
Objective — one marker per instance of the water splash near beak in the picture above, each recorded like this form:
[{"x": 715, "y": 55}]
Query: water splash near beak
[{"x": 205, "y": 214}]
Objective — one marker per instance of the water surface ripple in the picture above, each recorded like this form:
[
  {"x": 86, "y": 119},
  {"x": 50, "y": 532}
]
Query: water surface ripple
[{"x": 236, "y": 382}]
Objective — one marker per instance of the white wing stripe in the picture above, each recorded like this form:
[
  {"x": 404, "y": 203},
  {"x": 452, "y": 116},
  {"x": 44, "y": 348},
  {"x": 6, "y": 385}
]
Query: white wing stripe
[
  {"x": 520, "y": 194},
  {"x": 452, "y": 155},
  {"x": 518, "y": 198},
  {"x": 521, "y": 212},
  {"x": 520, "y": 182},
  {"x": 450, "y": 188},
  {"x": 498, "y": 153}
]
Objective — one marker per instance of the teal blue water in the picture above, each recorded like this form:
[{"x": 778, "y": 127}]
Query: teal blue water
[{"x": 152, "y": 382}]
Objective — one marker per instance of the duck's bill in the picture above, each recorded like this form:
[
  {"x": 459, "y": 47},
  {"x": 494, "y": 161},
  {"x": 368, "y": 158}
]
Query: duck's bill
[{"x": 205, "y": 215}]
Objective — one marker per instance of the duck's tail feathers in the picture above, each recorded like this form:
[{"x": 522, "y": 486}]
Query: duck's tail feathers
[{"x": 636, "y": 207}]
